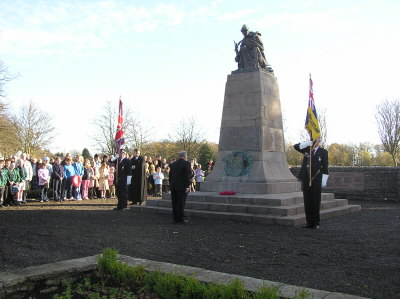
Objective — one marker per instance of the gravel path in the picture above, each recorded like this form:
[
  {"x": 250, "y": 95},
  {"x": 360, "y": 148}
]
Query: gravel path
[{"x": 357, "y": 253}]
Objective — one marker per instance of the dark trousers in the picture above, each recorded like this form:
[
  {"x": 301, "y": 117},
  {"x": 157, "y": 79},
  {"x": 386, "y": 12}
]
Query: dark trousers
[
  {"x": 63, "y": 191},
  {"x": 68, "y": 188},
  {"x": 165, "y": 188},
  {"x": 92, "y": 192},
  {"x": 312, "y": 202},
  {"x": 2, "y": 194},
  {"x": 7, "y": 195},
  {"x": 197, "y": 186},
  {"x": 122, "y": 195},
  {"x": 178, "y": 205},
  {"x": 157, "y": 191},
  {"x": 43, "y": 192},
  {"x": 34, "y": 182},
  {"x": 57, "y": 189},
  {"x": 76, "y": 192}
]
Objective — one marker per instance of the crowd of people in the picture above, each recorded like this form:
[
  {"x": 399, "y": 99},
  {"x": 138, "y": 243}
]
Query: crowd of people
[{"x": 76, "y": 178}]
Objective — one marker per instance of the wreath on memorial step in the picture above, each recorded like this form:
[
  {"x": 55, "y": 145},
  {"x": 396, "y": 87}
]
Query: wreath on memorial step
[{"x": 227, "y": 193}]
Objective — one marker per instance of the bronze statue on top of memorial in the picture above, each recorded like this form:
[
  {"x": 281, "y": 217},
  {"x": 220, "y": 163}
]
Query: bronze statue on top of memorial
[{"x": 250, "y": 52}]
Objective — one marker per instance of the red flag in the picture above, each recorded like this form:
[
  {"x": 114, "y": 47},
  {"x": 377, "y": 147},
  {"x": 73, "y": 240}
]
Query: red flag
[{"x": 119, "y": 135}]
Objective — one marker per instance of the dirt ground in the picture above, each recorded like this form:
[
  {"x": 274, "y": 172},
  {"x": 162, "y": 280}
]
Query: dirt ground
[{"x": 357, "y": 253}]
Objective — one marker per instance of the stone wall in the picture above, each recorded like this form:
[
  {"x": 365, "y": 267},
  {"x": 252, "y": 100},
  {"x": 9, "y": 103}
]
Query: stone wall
[{"x": 364, "y": 183}]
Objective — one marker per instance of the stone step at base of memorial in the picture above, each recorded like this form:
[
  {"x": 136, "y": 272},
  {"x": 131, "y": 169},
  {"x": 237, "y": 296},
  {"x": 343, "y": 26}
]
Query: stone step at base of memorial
[
  {"x": 282, "y": 199},
  {"x": 283, "y": 209},
  {"x": 293, "y": 220},
  {"x": 247, "y": 208}
]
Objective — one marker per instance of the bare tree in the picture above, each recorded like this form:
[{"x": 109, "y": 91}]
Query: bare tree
[
  {"x": 5, "y": 77},
  {"x": 137, "y": 133},
  {"x": 33, "y": 129},
  {"x": 106, "y": 124},
  {"x": 388, "y": 119},
  {"x": 188, "y": 137},
  {"x": 8, "y": 143}
]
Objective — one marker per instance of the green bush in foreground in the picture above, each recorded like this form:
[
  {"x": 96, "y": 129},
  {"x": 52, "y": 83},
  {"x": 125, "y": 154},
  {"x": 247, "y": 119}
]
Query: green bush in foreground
[{"x": 119, "y": 280}]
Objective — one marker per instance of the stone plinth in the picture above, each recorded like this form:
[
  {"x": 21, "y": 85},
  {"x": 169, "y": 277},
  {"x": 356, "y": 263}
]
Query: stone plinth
[{"x": 251, "y": 154}]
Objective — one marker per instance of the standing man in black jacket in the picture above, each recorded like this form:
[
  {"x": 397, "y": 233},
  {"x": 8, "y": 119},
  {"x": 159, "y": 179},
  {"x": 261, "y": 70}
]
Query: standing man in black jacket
[
  {"x": 123, "y": 179},
  {"x": 137, "y": 190},
  {"x": 319, "y": 177},
  {"x": 179, "y": 181}
]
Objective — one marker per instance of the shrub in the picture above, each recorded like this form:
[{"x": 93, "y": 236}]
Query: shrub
[
  {"x": 118, "y": 272},
  {"x": 171, "y": 286},
  {"x": 267, "y": 292}
]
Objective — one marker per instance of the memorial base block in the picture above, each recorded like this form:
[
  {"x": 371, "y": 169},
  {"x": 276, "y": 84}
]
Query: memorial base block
[{"x": 251, "y": 152}]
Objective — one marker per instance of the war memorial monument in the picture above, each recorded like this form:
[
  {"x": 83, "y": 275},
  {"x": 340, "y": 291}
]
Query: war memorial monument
[{"x": 251, "y": 159}]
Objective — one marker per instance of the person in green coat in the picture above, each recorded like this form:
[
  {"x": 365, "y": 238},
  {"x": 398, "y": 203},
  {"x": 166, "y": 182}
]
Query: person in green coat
[
  {"x": 14, "y": 179},
  {"x": 3, "y": 181}
]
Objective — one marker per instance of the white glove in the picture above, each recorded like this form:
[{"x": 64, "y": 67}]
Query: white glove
[
  {"x": 324, "y": 180},
  {"x": 114, "y": 158},
  {"x": 304, "y": 144},
  {"x": 128, "y": 179}
]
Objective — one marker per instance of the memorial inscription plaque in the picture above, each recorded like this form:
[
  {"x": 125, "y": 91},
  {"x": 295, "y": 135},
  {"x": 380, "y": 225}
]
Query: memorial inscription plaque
[{"x": 238, "y": 164}]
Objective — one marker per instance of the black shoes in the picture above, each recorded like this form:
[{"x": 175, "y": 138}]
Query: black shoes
[
  {"x": 120, "y": 209},
  {"x": 181, "y": 221},
  {"x": 311, "y": 226}
]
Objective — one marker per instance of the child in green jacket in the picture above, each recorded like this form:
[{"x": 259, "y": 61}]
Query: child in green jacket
[
  {"x": 3, "y": 181},
  {"x": 14, "y": 178}
]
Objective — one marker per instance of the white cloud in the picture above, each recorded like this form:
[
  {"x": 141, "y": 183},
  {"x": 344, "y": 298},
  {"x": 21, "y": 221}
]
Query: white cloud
[
  {"x": 330, "y": 20},
  {"x": 236, "y": 15},
  {"x": 64, "y": 25}
]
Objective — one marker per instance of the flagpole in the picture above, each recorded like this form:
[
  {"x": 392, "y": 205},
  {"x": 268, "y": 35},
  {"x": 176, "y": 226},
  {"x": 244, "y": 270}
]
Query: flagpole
[
  {"x": 310, "y": 156},
  {"x": 117, "y": 142},
  {"x": 309, "y": 168},
  {"x": 116, "y": 172},
  {"x": 116, "y": 153}
]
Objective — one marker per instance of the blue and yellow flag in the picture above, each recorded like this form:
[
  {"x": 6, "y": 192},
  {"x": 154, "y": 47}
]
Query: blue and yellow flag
[{"x": 312, "y": 124}]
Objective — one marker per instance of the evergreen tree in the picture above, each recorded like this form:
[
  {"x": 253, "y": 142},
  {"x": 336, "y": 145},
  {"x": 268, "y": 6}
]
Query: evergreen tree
[
  {"x": 86, "y": 154},
  {"x": 206, "y": 153}
]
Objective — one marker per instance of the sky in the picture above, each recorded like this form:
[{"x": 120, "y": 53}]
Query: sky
[{"x": 169, "y": 61}]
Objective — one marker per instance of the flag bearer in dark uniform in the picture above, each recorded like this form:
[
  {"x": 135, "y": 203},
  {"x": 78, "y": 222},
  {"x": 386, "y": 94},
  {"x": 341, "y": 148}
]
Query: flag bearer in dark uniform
[
  {"x": 123, "y": 180},
  {"x": 319, "y": 177}
]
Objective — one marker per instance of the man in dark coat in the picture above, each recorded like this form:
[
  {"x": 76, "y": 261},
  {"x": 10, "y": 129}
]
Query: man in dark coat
[
  {"x": 137, "y": 190},
  {"x": 123, "y": 179},
  {"x": 319, "y": 177},
  {"x": 179, "y": 181}
]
